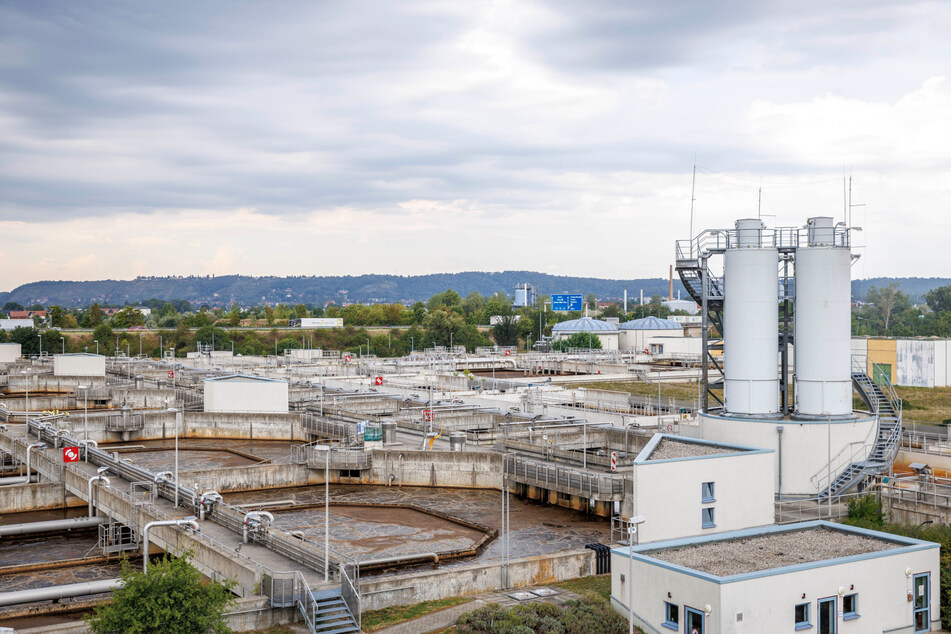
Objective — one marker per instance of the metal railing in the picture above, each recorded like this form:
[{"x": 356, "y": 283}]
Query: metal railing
[
  {"x": 718, "y": 240},
  {"x": 564, "y": 480}
]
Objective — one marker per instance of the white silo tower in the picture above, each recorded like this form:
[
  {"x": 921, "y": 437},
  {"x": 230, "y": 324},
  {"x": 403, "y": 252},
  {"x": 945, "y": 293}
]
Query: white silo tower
[
  {"x": 823, "y": 322},
  {"x": 750, "y": 322}
]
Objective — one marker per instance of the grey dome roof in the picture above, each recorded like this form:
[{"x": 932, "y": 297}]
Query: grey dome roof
[
  {"x": 651, "y": 323},
  {"x": 585, "y": 324}
]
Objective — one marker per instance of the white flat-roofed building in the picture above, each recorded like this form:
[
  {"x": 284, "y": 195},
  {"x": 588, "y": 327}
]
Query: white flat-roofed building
[
  {"x": 79, "y": 364},
  {"x": 697, "y": 487},
  {"x": 819, "y": 577},
  {"x": 10, "y": 352},
  {"x": 10, "y": 324},
  {"x": 237, "y": 393}
]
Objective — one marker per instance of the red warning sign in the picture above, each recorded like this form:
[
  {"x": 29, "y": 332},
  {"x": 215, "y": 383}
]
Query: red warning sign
[
  {"x": 171, "y": 374},
  {"x": 427, "y": 415},
  {"x": 347, "y": 358},
  {"x": 378, "y": 380},
  {"x": 70, "y": 454},
  {"x": 508, "y": 353}
]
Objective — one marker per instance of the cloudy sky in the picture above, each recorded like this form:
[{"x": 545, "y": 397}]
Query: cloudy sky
[{"x": 320, "y": 138}]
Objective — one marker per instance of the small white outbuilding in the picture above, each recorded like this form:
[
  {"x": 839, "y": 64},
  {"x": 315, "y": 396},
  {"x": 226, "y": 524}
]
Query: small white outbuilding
[
  {"x": 820, "y": 577},
  {"x": 10, "y": 352},
  {"x": 635, "y": 335},
  {"x": 236, "y": 393},
  {"x": 79, "y": 364}
]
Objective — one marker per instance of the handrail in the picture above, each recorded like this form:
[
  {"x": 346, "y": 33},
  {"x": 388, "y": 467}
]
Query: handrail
[{"x": 718, "y": 240}]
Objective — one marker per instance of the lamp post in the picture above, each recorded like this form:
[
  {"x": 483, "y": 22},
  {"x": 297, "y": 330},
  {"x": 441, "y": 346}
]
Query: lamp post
[
  {"x": 178, "y": 420},
  {"x": 64, "y": 344},
  {"x": 631, "y": 532},
  {"x": 41, "y": 343},
  {"x": 85, "y": 390},
  {"x": 326, "y": 450}
]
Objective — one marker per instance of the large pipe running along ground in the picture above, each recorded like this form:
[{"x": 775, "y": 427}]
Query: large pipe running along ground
[
  {"x": 399, "y": 559},
  {"x": 55, "y": 593},
  {"x": 145, "y": 536},
  {"x": 24, "y": 479},
  {"x": 50, "y": 526}
]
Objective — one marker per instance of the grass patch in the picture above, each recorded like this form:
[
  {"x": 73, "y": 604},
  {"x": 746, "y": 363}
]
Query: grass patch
[
  {"x": 378, "y": 619},
  {"x": 599, "y": 585},
  {"x": 685, "y": 391},
  {"x": 926, "y": 404}
]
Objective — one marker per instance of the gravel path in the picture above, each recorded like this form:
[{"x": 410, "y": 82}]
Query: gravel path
[
  {"x": 762, "y": 552},
  {"x": 667, "y": 449}
]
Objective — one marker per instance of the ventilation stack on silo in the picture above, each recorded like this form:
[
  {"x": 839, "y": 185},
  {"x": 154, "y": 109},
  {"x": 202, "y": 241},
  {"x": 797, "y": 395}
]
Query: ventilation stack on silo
[
  {"x": 823, "y": 322},
  {"x": 750, "y": 318}
]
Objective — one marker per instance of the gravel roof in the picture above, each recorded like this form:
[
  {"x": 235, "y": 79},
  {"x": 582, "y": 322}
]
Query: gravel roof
[
  {"x": 668, "y": 448},
  {"x": 772, "y": 550}
]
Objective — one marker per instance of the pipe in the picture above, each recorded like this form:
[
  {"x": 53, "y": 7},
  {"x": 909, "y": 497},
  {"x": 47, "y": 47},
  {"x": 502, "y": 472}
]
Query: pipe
[
  {"x": 95, "y": 478},
  {"x": 254, "y": 517},
  {"x": 206, "y": 501},
  {"x": 399, "y": 559},
  {"x": 779, "y": 433},
  {"x": 5, "y": 482},
  {"x": 54, "y": 593},
  {"x": 50, "y": 526},
  {"x": 41, "y": 446},
  {"x": 260, "y": 504},
  {"x": 145, "y": 535},
  {"x": 84, "y": 444}
]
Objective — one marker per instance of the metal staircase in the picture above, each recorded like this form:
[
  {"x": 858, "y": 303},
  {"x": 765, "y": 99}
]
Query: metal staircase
[
  {"x": 691, "y": 271},
  {"x": 328, "y": 613},
  {"x": 325, "y": 611},
  {"x": 881, "y": 399}
]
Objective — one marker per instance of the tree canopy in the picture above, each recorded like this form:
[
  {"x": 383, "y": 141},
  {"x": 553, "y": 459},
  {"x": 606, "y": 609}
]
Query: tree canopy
[{"x": 170, "y": 597}]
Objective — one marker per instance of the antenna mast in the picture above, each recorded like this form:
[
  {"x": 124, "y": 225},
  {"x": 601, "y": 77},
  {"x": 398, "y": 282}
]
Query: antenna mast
[{"x": 693, "y": 189}]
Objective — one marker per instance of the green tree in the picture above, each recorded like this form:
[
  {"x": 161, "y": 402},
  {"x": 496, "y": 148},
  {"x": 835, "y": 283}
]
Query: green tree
[
  {"x": 578, "y": 340},
  {"x": 590, "y": 300},
  {"x": 269, "y": 315},
  {"x": 199, "y": 319},
  {"x": 448, "y": 299},
  {"x": 28, "y": 338},
  {"x": 419, "y": 312},
  {"x": 104, "y": 335},
  {"x": 939, "y": 299},
  {"x": 12, "y": 306},
  {"x": 56, "y": 316},
  {"x": 300, "y": 311},
  {"x": 234, "y": 317},
  {"x": 505, "y": 332},
  {"x": 888, "y": 301},
  {"x": 170, "y": 597},
  {"x": 127, "y": 317}
]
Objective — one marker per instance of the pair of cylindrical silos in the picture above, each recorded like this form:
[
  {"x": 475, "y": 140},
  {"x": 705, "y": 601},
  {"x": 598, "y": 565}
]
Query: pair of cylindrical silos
[{"x": 822, "y": 320}]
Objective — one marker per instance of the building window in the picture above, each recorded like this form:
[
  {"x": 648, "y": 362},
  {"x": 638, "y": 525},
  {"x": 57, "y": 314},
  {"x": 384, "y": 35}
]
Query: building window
[
  {"x": 706, "y": 495},
  {"x": 850, "y": 607},
  {"x": 671, "y": 616},
  {"x": 802, "y": 616},
  {"x": 707, "y": 518}
]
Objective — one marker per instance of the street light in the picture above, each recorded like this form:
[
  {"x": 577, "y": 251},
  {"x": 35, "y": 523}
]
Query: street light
[
  {"x": 178, "y": 420},
  {"x": 326, "y": 450},
  {"x": 631, "y": 532},
  {"x": 41, "y": 343},
  {"x": 85, "y": 390},
  {"x": 64, "y": 344}
]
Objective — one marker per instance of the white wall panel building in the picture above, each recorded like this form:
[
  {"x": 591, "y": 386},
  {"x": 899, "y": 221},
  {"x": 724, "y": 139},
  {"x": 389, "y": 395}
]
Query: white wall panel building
[
  {"x": 239, "y": 393},
  {"x": 79, "y": 364},
  {"x": 873, "y": 582},
  {"x": 696, "y": 487},
  {"x": 10, "y": 352}
]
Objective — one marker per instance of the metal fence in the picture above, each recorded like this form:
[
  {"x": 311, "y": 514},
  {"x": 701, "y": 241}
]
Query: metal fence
[{"x": 564, "y": 480}]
